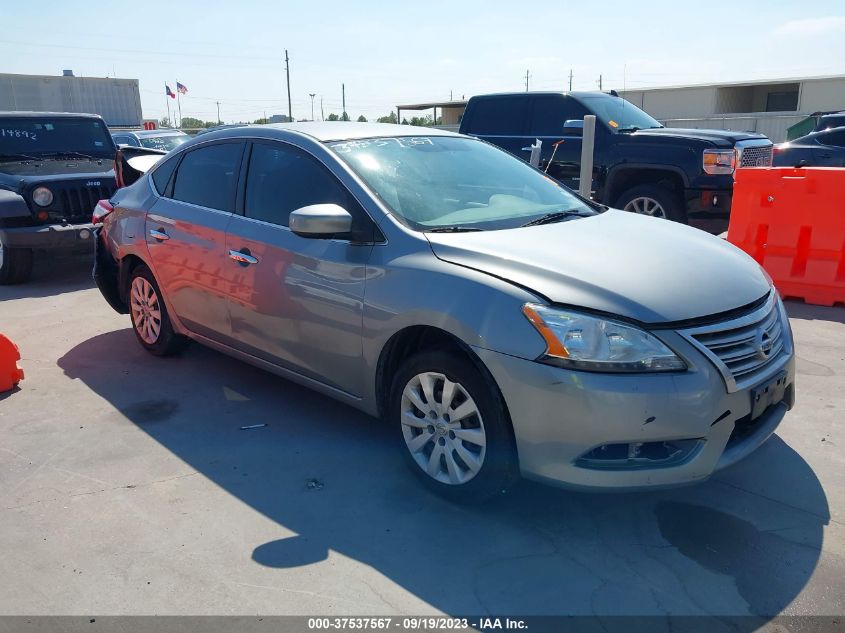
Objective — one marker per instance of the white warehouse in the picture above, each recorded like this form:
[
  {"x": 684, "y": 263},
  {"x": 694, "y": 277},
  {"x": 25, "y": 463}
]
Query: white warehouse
[{"x": 767, "y": 106}]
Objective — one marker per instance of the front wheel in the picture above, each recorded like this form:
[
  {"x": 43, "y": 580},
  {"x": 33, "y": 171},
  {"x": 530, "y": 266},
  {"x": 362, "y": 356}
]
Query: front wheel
[
  {"x": 456, "y": 434},
  {"x": 150, "y": 320},
  {"x": 654, "y": 200},
  {"x": 15, "y": 265}
]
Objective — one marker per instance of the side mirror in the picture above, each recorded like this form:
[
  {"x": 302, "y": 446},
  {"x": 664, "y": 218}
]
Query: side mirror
[
  {"x": 320, "y": 220},
  {"x": 573, "y": 127}
]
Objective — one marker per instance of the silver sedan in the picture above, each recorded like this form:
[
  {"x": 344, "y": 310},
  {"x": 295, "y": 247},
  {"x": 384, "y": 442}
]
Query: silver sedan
[{"x": 498, "y": 322}]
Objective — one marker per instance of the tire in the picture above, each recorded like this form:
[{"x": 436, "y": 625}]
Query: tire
[
  {"x": 15, "y": 265},
  {"x": 476, "y": 456},
  {"x": 150, "y": 320},
  {"x": 646, "y": 199}
]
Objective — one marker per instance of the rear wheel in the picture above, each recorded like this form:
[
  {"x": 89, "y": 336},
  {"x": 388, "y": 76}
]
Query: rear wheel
[
  {"x": 150, "y": 320},
  {"x": 455, "y": 431},
  {"x": 654, "y": 200},
  {"x": 15, "y": 265}
]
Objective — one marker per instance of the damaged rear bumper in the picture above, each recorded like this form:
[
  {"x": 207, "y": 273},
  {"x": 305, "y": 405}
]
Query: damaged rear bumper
[{"x": 107, "y": 275}]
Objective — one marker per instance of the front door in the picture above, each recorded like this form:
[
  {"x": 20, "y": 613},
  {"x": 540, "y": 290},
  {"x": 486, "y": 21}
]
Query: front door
[
  {"x": 186, "y": 236},
  {"x": 294, "y": 301}
]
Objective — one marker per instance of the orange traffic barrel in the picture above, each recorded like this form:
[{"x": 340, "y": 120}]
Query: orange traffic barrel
[
  {"x": 791, "y": 220},
  {"x": 10, "y": 373}
]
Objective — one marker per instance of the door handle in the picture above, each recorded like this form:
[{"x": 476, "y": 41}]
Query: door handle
[
  {"x": 244, "y": 259},
  {"x": 159, "y": 235}
]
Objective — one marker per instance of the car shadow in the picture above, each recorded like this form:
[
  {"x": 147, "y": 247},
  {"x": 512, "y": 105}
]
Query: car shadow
[
  {"x": 810, "y": 312},
  {"x": 54, "y": 274},
  {"x": 745, "y": 542}
]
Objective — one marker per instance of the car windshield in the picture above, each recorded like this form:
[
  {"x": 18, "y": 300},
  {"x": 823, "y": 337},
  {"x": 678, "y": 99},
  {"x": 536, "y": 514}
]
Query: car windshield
[
  {"x": 452, "y": 183},
  {"x": 166, "y": 143},
  {"x": 41, "y": 137},
  {"x": 619, "y": 114}
]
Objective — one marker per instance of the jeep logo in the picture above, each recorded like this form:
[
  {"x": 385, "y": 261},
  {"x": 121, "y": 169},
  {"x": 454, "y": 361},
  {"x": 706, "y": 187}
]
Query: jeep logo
[{"x": 92, "y": 183}]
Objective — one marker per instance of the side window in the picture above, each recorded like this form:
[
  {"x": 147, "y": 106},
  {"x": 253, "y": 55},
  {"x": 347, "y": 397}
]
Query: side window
[
  {"x": 500, "y": 115},
  {"x": 550, "y": 113},
  {"x": 162, "y": 173},
  {"x": 282, "y": 179},
  {"x": 837, "y": 139},
  {"x": 208, "y": 176}
]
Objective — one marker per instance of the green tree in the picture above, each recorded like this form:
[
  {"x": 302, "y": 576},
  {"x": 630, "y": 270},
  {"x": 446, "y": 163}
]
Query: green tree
[
  {"x": 164, "y": 122},
  {"x": 333, "y": 117},
  {"x": 191, "y": 122},
  {"x": 362, "y": 119},
  {"x": 261, "y": 121},
  {"x": 390, "y": 118}
]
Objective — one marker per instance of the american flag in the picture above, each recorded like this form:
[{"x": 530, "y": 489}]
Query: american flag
[
  {"x": 169, "y": 92},
  {"x": 181, "y": 88}
]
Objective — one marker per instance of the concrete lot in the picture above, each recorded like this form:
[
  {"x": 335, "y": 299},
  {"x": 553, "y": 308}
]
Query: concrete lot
[{"x": 126, "y": 487}]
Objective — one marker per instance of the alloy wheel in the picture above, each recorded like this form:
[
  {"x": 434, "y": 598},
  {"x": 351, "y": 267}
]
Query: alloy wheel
[
  {"x": 443, "y": 428},
  {"x": 146, "y": 310},
  {"x": 646, "y": 206}
]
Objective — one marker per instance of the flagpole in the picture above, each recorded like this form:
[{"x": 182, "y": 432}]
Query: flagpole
[
  {"x": 167, "y": 101},
  {"x": 179, "y": 102}
]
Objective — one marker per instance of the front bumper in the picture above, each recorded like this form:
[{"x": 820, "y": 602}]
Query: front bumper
[
  {"x": 559, "y": 415},
  {"x": 50, "y": 236}
]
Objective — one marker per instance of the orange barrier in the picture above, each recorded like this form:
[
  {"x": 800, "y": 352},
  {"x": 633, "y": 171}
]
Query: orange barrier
[
  {"x": 792, "y": 221},
  {"x": 10, "y": 373}
]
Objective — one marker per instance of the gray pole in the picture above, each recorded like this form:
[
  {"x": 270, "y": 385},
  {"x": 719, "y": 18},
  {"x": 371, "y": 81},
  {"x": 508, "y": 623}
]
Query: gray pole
[
  {"x": 527, "y": 77},
  {"x": 322, "y": 113},
  {"x": 585, "y": 184},
  {"x": 287, "y": 75},
  {"x": 343, "y": 90},
  {"x": 218, "y": 112},
  {"x": 312, "y": 95},
  {"x": 570, "y": 80},
  {"x": 599, "y": 82}
]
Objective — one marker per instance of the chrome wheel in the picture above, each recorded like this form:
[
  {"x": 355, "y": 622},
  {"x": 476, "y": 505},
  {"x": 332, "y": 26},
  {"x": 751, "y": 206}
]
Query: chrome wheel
[
  {"x": 443, "y": 428},
  {"x": 146, "y": 310},
  {"x": 646, "y": 206}
]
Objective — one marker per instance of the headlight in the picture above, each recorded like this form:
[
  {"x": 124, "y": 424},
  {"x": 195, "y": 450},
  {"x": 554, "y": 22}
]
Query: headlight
[
  {"x": 42, "y": 196},
  {"x": 579, "y": 341},
  {"x": 719, "y": 161}
]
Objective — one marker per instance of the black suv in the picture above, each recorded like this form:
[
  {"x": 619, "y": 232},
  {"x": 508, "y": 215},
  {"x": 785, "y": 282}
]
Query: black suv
[
  {"x": 54, "y": 167},
  {"x": 679, "y": 174}
]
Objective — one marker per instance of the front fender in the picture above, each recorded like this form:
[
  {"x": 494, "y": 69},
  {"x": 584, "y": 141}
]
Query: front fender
[{"x": 13, "y": 205}]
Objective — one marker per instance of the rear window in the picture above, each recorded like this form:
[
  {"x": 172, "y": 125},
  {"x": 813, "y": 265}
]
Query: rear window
[
  {"x": 208, "y": 176},
  {"x": 161, "y": 175},
  {"x": 504, "y": 115}
]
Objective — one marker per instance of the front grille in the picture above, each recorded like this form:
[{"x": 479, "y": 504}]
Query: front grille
[
  {"x": 77, "y": 203},
  {"x": 756, "y": 156},
  {"x": 746, "y": 348}
]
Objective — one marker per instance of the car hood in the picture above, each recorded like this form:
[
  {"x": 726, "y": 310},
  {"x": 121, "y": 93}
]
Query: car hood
[
  {"x": 641, "y": 268},
  {"x": 717, "y": 137},
  {"x": 40, "y": 169}
]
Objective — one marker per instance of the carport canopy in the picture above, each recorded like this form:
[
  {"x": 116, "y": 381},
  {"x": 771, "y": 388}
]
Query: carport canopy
[{"x": 455, "y": 108}]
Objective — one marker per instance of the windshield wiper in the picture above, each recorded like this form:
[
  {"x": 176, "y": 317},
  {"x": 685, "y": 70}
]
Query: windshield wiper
[
  {"x": 454, "y": 229},
  {"x": 555, "y": 216},
  {"x": 71, "y": 154},
  {"x": 629, "y": 128},
  {"x": 14, "y": 156}
]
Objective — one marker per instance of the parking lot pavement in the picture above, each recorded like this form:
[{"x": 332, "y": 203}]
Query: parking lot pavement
[{"x": 127, "y": 487}]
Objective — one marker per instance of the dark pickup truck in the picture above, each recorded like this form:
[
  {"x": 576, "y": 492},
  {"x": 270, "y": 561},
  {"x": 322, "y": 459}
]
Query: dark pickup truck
[
  {"x": 684, "y": 175},
  {"x": 54, "y": 167}
]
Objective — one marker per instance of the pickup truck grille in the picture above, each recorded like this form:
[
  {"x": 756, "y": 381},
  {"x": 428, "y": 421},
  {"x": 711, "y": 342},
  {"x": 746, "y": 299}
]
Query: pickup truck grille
[
  {"x": 746, "y": 348},
  {"x": 756, "y": 156},
  {"x": 78, "y": 202}
]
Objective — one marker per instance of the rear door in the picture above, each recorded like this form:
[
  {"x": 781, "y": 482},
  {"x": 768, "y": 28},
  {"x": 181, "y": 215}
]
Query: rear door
[
  {"x": 503, "y": 121},
  {"x": 186, "y": 236},
  {"x": 296, "y": 302}
]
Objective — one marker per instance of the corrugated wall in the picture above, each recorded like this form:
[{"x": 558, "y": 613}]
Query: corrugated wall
[{"x": 118, "y": 101}]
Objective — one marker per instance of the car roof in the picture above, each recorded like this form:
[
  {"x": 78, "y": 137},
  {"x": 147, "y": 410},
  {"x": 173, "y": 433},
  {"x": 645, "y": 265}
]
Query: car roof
[
  {"x": 815, "y": 135},
  {"x": 326, "y": 131},
  {"x": 546, "y": 93},
  {"x": 18, "y": 114}
]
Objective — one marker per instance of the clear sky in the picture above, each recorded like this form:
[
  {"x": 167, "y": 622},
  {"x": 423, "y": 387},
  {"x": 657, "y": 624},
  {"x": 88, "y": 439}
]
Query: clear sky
[{"x": 390, "y": 52}]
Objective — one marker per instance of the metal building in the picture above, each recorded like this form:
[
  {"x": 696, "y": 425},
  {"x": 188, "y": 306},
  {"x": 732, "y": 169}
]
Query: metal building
[
  {"x": 118, "y": 101},
  {"x": 766, "y": 106}
]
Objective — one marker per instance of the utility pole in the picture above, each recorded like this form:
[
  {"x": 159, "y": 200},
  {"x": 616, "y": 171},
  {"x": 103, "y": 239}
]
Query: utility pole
[
  {"x": 599, "y": 82},
  {"x": 570, "y": 80},
  {"x": 344, "y": 116},
  {"x": 450, "y": 95},
  {"x": 218, "y": 112},
  {"x": 322, "y": 113},
  {"x": 287, "y": 75},
  {"x": 312, "y": 95},
  {"x": 527, "y": 77}
]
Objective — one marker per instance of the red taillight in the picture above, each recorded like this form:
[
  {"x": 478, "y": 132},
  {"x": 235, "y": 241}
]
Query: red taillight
[{"x": 102, "y": 209}]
